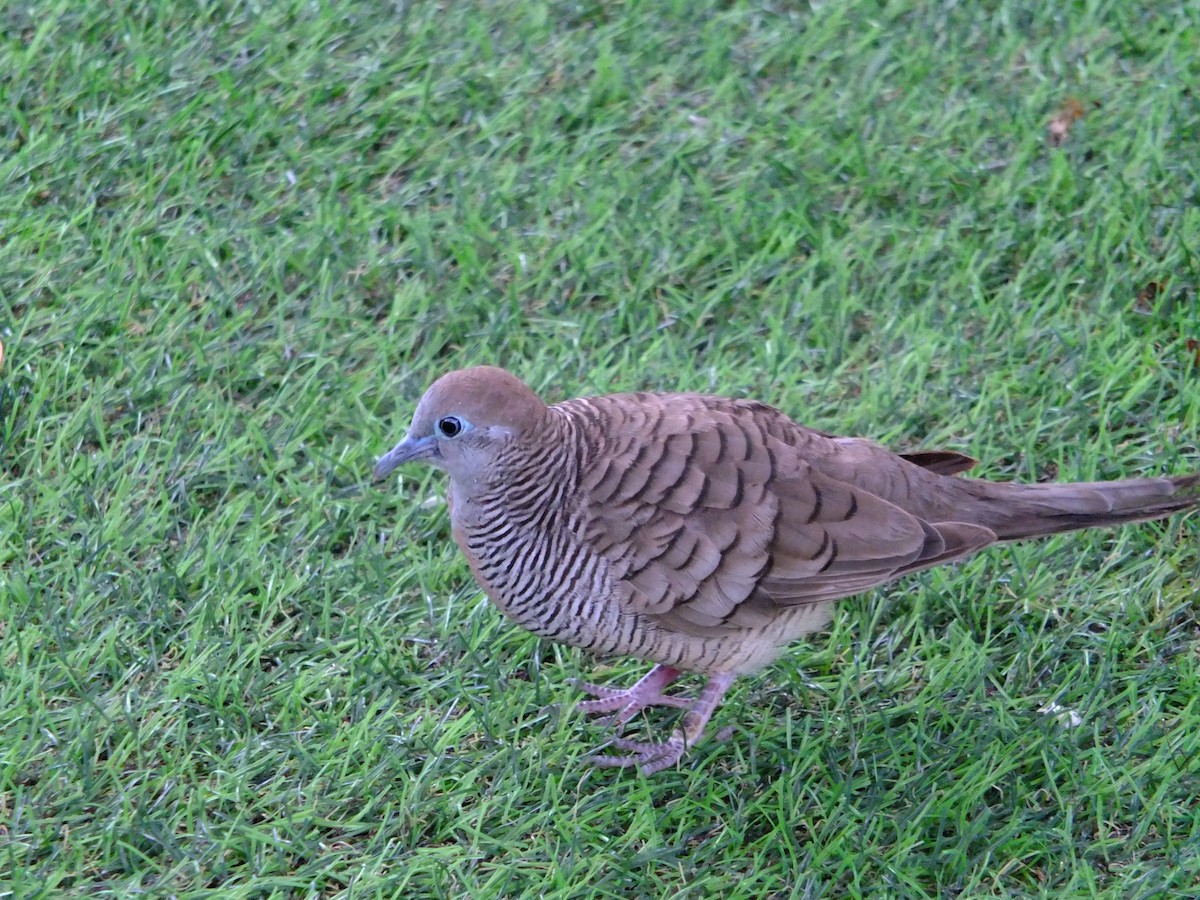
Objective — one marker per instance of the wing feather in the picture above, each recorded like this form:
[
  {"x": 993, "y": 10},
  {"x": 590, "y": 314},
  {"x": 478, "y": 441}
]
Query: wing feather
[{"x": 714, "y": 520}]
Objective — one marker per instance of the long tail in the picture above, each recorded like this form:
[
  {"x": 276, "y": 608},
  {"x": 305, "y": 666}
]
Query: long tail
[{"x": 1015, "y": 511}]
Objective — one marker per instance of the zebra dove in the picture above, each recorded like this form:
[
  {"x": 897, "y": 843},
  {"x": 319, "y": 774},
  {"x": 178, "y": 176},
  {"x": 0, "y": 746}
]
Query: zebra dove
[{"x": 705, "y": 534}]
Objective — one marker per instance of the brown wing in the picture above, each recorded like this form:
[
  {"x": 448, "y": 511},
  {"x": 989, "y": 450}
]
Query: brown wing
[
  {"x": 715, "y": 521},
  {"x": 941, "y": 462}
]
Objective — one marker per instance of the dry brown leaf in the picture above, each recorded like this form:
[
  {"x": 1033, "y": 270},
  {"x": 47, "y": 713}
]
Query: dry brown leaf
[
  {"x": 1060, "y": 126},
  {"x": 1194, "y": 346}
]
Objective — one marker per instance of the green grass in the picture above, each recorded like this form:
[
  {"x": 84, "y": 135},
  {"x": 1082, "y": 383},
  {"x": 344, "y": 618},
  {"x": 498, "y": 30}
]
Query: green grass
[{"x": 238, "y": 242}]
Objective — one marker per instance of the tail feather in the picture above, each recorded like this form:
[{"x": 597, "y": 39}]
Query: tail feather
[{"x": 1027, "y": 510}]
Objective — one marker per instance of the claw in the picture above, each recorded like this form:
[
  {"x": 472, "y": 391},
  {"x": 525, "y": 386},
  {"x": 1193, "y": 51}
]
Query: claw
[
  {"x": 650, "y": 757},
  {"x": 628, "y": 702}
]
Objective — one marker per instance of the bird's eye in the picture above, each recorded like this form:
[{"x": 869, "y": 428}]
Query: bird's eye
[{"x": 450, "y": 426}]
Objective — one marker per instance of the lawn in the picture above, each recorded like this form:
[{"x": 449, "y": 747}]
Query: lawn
[{"x": 239, "y": 240}]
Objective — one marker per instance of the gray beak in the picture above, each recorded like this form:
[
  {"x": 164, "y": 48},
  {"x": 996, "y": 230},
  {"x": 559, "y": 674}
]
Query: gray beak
[{"x": 408, "y": 450}]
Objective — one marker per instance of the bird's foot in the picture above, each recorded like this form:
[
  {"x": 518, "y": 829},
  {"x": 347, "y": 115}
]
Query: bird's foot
[
  {"x": 625, "y": 703},
  {"x": 650, "y": 757}
]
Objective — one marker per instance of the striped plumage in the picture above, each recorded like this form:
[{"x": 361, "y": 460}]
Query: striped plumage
[{"x": 703, "y": 533}]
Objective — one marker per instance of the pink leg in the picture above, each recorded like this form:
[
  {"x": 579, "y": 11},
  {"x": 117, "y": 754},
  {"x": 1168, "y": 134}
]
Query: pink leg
[
  {"x": 627, "y": 702},
  {"x": 650, "y": 757}
]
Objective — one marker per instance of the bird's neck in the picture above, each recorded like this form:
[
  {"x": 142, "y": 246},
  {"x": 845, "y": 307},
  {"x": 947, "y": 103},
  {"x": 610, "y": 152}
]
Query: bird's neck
[{"x": 527, "y": 478}]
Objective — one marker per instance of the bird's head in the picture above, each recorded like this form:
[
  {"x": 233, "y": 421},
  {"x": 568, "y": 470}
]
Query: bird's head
[{"x": 464, "y": 421}]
